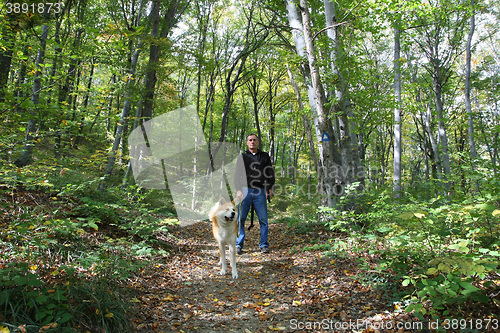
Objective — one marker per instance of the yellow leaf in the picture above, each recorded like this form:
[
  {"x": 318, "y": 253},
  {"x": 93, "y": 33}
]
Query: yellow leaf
[
  {"x": 297, "y": 303},
  {"x": 277, "y": 328},
  {"x": 34, "y": 267},
  {"x": 64, "y": 122},
  {"x": 496, "y": 212},
  {"x": 109, "y": 315},
  {"x": 4, "y": 329},
  {"x": 169, "y": 298}
]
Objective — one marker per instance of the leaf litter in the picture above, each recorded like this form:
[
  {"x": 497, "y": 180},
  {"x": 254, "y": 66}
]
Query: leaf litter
[{"x": 284, "y": 290}]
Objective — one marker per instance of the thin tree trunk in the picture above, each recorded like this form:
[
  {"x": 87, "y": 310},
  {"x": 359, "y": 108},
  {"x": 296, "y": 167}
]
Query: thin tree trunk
[
  {"x": 443, "y": 138},
  {"x": 437, "y": 155},
  {"x": 468, "y": 106},
  {"x": 307, "y": 126},
  {"x": 295, "y": 22},
  {"x": 124, "y": 114},
  {"x": 26, "y": 155},
  {"x": 397, "y": 115},
  {"x": 8, "y": 40}
]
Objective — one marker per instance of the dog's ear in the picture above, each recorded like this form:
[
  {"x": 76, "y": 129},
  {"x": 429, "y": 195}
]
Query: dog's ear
[{"x": 222, "y": 201}]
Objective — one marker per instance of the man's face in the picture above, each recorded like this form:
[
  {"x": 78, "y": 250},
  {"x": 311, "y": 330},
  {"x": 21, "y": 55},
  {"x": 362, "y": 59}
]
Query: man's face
[{"x": 252, "y": 142}]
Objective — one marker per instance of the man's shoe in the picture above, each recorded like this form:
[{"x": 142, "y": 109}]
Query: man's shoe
[
  {"x": 239, "y": 250},
  {"x": 264, "y": 249}
]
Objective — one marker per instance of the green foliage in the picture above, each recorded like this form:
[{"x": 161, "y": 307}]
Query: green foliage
[
  {"x": 442, "y": 255},
  {"x": 68, "y": 249},
  {"x": 28, "y": 301}
]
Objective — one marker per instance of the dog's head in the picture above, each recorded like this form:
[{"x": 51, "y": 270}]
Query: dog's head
[{"x": 226, "y": 211}]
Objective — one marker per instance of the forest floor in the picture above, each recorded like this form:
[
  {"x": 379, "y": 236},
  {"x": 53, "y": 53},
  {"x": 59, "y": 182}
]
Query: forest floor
[{"x": 288, "y": 289}]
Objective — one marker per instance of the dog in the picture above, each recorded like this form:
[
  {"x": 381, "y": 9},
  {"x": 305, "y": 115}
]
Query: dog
[{"x": 224, "y": 217}]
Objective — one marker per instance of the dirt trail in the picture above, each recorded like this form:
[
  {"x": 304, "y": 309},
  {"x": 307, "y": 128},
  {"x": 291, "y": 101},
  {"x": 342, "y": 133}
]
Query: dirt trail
[{"x": 287, "y": 290}]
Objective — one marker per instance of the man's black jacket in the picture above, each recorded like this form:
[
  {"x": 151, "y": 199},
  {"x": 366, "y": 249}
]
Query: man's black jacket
[{"x": 258, "y": 171}]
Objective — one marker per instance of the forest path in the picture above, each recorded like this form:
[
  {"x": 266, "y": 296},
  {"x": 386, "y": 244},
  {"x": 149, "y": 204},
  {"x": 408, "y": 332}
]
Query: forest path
[{"x": 285, "y": 290}]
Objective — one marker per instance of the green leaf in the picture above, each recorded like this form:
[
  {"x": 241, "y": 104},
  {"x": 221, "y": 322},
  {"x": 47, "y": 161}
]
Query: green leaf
[
  {"x": 468, "y": 286},
  {"x": 432, "y": 271}
]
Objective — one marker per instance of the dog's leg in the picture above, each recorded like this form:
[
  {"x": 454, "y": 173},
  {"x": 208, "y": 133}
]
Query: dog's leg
[
  {"x": 232, "y": 259},
  {"x": 222, "y": 250}
]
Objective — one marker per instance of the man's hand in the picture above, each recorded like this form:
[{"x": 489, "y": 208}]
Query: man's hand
[
  {"x": 269, "y": 193},
  {"x": 239, "y": 196}
]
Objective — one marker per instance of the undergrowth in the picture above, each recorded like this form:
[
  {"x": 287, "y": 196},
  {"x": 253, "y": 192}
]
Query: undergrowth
[{"x": 68, "y": 250}]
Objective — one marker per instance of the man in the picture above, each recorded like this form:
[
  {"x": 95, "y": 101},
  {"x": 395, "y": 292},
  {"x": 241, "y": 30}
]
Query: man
[{"x": 259, "y": 174}]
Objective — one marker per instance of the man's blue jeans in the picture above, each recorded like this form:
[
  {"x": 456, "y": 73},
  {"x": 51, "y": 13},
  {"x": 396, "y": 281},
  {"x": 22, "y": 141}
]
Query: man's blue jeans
[{"x": 257, "y": 196}]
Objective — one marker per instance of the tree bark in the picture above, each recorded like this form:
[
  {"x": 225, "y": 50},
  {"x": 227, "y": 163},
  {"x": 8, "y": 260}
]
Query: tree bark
[
  {"x": 468, "y": 107},
  {"x": 348, "y": 143},
  {"x": 8, "y": 37},
  {"x": 331, "y": 161},
  {"x": 154, "y": 54},
  {"x": 307, "y": 126},
  {"x": 397, "y": 115}
]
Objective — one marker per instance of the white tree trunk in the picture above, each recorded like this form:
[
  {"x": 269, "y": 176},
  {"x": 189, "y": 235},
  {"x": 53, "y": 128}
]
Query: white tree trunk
[
  {"x": 330, "y": 157},
  {"x": 397, "y": 115},
  {"x": 468, "y": 107}
]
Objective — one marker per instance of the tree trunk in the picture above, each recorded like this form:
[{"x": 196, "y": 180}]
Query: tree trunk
[
  {"x": 8, "y": 41},
  {"x": 351, "y": 164},
  {"x": 331, "y": 161},
  {"x": 169, "y": 20},
  {"x": 397, "y": 115},
  {"x": 26, "y": 155},
  {"x": 437, "y": 155},
  {"x": 468, "y": 107},
  {"x": 124, "y": 115},
  {"x": 154, "y": 53},
  {"x": 443, "y": 138},
  {"x": 307, "y": 126},
  {"x": 295, "y": 22}
]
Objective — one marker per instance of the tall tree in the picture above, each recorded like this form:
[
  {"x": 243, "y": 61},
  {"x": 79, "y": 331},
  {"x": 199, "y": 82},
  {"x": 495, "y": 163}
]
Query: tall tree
[
  {"x": 253, "y": 37},
  {"x": 468, "y": 107},
  {"x": 29, "y": 139},
  {"x": 331, "y": 183},
  {"x": 348, "y": 143},
  {"x": 397, "y": 114},
  {"x": 440, "y": 30}
]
